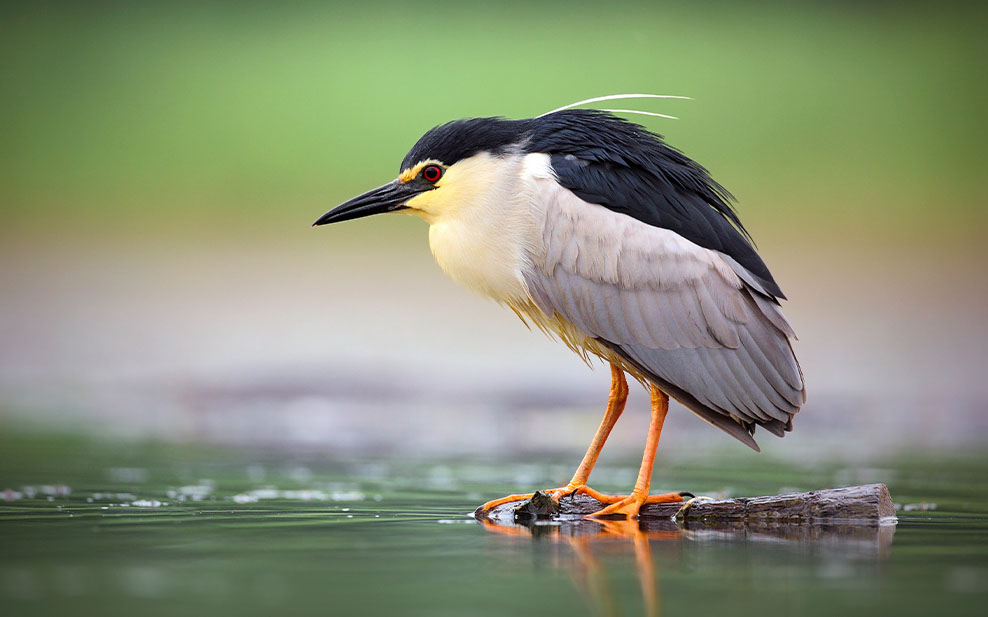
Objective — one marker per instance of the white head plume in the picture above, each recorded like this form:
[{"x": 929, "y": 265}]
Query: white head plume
[{"x": 618, "y": 97}]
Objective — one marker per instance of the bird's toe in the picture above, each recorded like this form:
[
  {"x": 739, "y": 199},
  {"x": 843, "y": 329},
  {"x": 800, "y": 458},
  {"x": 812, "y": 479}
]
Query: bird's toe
[
  {"x": 627, "y": 507},
  {"x": 554, "y": 492},
  {"x": 685, "y": 508}
]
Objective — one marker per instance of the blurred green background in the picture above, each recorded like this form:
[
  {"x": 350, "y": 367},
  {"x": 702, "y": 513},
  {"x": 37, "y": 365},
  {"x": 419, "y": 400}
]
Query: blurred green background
[
  {"x": 160, "y": 164},
  {"x": 142, "y": 116}
]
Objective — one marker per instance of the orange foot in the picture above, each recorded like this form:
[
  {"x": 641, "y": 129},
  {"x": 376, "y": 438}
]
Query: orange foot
[
  {"x": 629, "y": 505},
  {"x": 616, "y": 504}
]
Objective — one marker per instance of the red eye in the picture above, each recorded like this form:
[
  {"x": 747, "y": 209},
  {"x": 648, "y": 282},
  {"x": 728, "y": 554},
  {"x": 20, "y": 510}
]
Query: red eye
[{"x": 432, "y": 173}]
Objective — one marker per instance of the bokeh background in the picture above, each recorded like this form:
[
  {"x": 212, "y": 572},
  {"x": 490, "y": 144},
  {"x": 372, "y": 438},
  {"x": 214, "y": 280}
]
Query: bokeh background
[{"x": 160, "y": 165}]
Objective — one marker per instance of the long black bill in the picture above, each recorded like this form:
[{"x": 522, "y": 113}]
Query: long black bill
[{"x": 388, "y": 198}]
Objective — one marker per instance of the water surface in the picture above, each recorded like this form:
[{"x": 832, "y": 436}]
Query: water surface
[{"x": 91, "y": 528}]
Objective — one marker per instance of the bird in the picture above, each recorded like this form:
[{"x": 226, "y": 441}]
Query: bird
[{"x": 596, "y": 231}]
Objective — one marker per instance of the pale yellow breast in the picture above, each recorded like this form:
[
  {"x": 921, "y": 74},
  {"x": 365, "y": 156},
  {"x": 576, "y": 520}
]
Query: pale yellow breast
[
  {"x": 482, "y": 226},
  {"x": 478, "y": 257}
]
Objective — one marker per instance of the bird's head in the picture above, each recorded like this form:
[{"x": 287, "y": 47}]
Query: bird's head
[{"x": 450, "y": 166}]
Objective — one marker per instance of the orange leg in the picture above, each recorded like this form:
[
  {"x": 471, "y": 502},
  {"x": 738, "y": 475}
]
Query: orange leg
[
  {"x": 630, "y": 505},
  {"x": 615, "y": 407}
]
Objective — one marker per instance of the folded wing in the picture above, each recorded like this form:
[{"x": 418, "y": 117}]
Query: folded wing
[{"x": 691, "y": 319}]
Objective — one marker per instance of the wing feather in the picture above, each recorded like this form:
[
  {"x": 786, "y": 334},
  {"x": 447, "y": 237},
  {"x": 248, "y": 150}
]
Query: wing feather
[
  {"x": 661, "y": 333},
  {"x": 682, "y": 314}
]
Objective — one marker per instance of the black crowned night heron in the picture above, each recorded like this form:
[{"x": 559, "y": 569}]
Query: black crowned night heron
[{"x": 595, "y": 230}]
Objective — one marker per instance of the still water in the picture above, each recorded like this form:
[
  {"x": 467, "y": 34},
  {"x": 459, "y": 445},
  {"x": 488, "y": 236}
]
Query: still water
[{"x": 147, "y": 529}]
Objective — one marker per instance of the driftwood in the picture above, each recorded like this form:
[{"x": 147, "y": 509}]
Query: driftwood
[{"x": 869, "y": 504}]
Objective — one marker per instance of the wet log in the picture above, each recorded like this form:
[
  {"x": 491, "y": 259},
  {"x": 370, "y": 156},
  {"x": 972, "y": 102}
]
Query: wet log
[{"x": 868, "y": 504}]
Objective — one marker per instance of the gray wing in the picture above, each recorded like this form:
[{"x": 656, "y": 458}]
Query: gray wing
[{"x": 691, "y": 319}]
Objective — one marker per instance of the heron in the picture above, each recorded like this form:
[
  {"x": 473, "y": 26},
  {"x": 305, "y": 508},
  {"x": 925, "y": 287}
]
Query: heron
[{"x": 596, "y": 231}]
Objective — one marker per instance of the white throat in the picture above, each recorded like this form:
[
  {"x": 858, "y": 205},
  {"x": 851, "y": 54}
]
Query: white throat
[{"x": 483, "y": 236}]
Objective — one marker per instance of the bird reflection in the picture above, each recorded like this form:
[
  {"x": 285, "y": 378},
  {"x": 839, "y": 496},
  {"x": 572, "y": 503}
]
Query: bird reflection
[
  {"x": 660, "y": 541},
  {"x": 589, "y": 539}
]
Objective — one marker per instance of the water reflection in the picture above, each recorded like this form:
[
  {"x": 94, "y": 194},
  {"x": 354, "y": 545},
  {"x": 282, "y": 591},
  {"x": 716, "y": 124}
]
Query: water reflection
[{"x": 651, "y": 543}]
